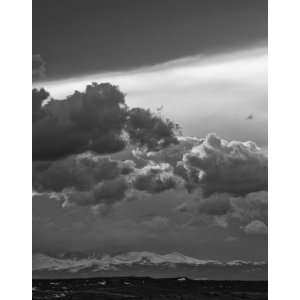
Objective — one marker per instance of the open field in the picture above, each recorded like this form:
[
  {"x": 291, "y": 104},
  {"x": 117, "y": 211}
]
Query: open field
[{"x": 145, "y": 288}]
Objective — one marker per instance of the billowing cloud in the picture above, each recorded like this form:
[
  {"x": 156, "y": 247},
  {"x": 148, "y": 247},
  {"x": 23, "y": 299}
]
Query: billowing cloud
[
  {"x": 250, "y": 207},
  {"x": 155, "y": 178},
  {"x": 219, "y": 166},
  {"x": 80, "y": 172},
  {"x": 147, "y": 129},
  {"x": 89, "y": 180},
  {"x": 92, "y": 120},
  {"x": 173, "y": 153},
  {"x": 83, "y": 179},
  {"x": 214, "y": 165},
  {"x": 95, "y": 120},
  {"x": 106, "y": 193},
  {"x": 256, "y": 227}
]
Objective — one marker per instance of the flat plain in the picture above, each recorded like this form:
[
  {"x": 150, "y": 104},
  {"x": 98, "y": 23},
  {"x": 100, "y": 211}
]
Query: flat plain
[{"x": 145, "y": 288}]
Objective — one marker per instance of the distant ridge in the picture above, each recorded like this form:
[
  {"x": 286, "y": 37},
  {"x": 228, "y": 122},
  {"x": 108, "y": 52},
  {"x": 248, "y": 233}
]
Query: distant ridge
[{"x": 146, "y": 264}]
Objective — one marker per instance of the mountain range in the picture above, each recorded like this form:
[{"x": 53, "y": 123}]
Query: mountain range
[{"x": 145, "y": 264}]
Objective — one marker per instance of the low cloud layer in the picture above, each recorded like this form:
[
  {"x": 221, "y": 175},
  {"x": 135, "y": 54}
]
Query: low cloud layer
[
  {"x": 100, "y": 182},
  {"x": 225, "y": 209},
  {"x": 90, "y": 180}
]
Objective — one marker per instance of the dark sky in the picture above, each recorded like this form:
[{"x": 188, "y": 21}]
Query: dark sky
[{"x": 78, "y": 37}]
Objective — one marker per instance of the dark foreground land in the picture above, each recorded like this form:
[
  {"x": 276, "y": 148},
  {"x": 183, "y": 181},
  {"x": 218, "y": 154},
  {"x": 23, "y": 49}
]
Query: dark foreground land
[{"x": 147, "y": 288}]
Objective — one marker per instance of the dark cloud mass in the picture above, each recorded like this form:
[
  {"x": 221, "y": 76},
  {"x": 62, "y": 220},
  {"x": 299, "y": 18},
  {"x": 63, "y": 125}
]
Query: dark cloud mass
[
  {"x": 155, "y": 178},
  {"x": 92, "y": 120},
  {"x": 105, "y": 193},
  {"x": 219, "y": 166},
  {"x": 80, "y": 172},
  {"x": 146, "y": 129},
  {"x": 38, "y": 97},
  {"x": 96, "y": 120},
  {"x": 89, "y": 180}
]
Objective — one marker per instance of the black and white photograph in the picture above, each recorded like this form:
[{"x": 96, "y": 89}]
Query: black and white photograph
[{"x": 150, "y": 149}]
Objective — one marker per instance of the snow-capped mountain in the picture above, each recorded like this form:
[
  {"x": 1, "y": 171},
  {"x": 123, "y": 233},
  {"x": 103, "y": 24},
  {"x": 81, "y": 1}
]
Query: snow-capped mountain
[{"x": 142, "y": 264}]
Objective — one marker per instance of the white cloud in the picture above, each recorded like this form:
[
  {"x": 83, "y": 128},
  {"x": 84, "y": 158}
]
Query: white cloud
[
  {"x": 220, "y": 166},
  {"x": 256, "y": 227}
]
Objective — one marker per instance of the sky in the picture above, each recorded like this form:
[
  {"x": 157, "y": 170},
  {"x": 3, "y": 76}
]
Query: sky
[{"x": 202, "y": 64}]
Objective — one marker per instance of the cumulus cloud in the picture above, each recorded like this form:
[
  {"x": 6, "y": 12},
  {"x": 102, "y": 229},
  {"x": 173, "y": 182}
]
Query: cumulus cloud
[
  {"x": 256, "y": 227},
  {"x": 219, "y": 166},
  {"x": 149, "y": 130},
  {"x": 171, "y": 154},
  {"x": 80, "y": 172},
  {"x": 155, "y": 178},
  {"x": 106, "y": 193},
  {"x": 214, "y": 165},
  {"x": 252, "y": 206},
  {"x": 84, "y": 180},
  {"x": 94, "y": 120},
  {"x": 90, "y": 180}
]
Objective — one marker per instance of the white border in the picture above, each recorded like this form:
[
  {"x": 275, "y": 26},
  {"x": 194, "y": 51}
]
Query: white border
[
  {"x": 284, "y": 149},
  {"x": 16, "y": 209}
]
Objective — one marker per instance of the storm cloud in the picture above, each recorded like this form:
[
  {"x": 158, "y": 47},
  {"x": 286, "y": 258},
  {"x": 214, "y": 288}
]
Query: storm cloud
[{"x": 94, "y": 120}]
